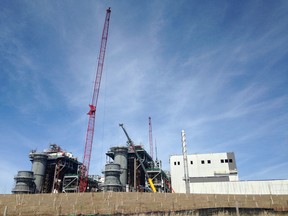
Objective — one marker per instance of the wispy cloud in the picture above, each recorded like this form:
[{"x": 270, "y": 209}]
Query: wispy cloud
[
  {"x": 216, "y": 70},
  {"x": 272, "y": 170}
]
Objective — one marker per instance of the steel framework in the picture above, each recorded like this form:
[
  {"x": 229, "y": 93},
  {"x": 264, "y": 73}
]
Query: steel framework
[{"x": 93, "y": 106}]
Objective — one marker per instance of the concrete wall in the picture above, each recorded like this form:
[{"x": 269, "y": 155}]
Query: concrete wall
[{"x": 121, "y": 203}]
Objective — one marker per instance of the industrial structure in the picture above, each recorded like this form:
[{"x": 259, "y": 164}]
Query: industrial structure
[
  {"x": 132, "y": 176},
  {"x": 53, "y": 170},
  {"x": 213, "y": 167},
  {"x": 136, "y": 171},
  {"x": 131, "y": 168},
  {"x": 215, "y": 173}
]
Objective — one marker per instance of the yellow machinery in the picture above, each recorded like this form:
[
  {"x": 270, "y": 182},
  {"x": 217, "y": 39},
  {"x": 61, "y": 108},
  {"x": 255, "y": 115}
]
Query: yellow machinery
[{"x": 130, "y": 143}]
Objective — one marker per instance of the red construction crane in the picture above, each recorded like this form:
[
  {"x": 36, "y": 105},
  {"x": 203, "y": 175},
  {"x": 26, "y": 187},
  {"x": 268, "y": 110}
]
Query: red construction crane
[
  {"x": 92, "y": 112},
  {"x": 150, "y": 138}
]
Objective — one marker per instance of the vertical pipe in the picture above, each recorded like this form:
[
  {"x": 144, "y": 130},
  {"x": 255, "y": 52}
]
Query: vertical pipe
[
  {"x": 39, "y": 161},
  {"x": 135, "y": 170},
  {"x": 120, "y": 157}
]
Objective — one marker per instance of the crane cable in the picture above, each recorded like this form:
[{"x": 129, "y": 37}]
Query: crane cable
[{"x": 104, "y": 118}]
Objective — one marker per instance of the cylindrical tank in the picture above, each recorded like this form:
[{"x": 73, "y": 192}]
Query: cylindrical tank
[
  {"x": 120, "y": 157},
  {"x": 112, "y": 177},
  {"x": 39, "y": 161},
  {"x": 24, "y": 183}
]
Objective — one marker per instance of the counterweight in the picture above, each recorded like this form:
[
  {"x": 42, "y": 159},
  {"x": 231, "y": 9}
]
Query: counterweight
[{"x": 93, "y": 106}]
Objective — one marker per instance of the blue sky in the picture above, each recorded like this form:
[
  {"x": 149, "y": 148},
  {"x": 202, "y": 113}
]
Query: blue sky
[{"x": 217, "y": 69}]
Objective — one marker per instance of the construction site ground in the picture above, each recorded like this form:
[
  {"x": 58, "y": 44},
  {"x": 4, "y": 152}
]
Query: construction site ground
[{"x": 121, "y": 203}]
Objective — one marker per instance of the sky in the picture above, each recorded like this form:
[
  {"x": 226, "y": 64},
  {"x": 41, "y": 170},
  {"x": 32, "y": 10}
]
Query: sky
[{"x": 216, "y": 69}]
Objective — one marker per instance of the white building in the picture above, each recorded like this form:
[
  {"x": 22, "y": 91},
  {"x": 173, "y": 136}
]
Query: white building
[{"x": 216, "y": 173}]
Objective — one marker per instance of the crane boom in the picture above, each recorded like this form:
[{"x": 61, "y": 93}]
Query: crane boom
[
  {"x": 131, "y": 143},
  {"x": 150, "y": 139},
  {"x": 92, "y": 112}
]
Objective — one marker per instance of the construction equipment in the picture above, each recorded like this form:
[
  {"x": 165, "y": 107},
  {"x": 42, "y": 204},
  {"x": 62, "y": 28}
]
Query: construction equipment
[
  {"x": 150, "y": 139},
  {"x": 131, "y": 143},
  {"x": 92, "y": 112}
]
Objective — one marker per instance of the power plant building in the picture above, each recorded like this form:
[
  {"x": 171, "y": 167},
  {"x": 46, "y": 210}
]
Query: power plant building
[
  {"x": 53, "y": 170},
  {"x": 131, "y": 174},
  {"x": 216, "y": 173}
]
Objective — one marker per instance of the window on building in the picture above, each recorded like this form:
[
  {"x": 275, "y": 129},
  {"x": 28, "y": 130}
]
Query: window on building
[
  {"x": 226, "y": 160},
  {"x": 222, "y": 161},
  {"x": 230, "y": 161},
  {"x": 178, "y": 162},
  {"x": 191, "y": 162},
  {"x": 202, "y": 161},
  {"x": 209, "y": 161},
  {"x": 175, "y": 163}
]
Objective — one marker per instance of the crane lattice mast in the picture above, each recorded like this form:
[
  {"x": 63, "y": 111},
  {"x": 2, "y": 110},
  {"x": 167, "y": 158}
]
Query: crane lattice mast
[
  {"x": 150, "y": 138},
  {"x": 92, "y": 112}
]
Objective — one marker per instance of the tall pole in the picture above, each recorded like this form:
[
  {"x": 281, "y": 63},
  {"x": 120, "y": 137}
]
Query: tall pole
[
  {"x": 185, "y": 162},
  {"x": 150, "y": 139}
]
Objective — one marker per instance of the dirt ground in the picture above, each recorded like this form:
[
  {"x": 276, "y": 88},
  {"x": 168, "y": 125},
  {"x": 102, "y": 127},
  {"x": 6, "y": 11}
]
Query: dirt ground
[{"x": 121, "y": 203}]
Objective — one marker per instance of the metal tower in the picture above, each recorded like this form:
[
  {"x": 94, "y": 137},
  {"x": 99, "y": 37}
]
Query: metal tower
[
  {"x": 92, "y": 112},
  {"x": 185, "y": 162},
  {"x": 150, "y": 139}
]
